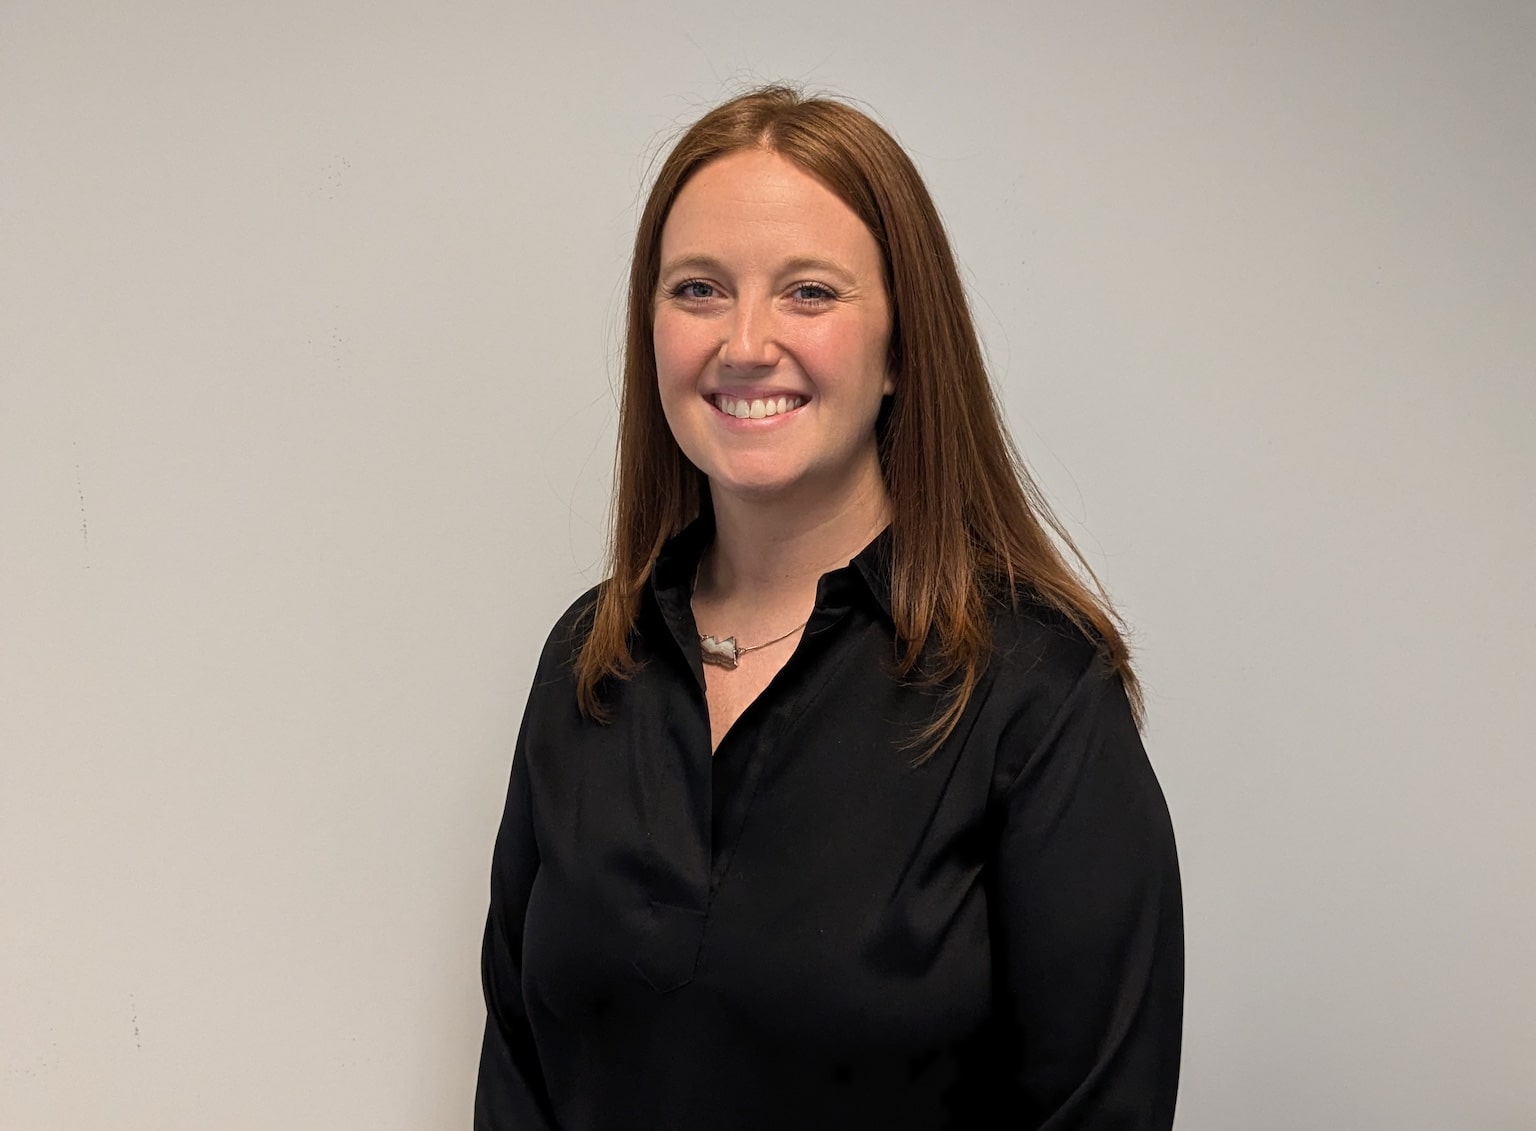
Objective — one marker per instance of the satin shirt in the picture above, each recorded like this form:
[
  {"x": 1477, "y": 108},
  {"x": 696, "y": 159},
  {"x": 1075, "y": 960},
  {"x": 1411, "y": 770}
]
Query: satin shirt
[{"x": 807, "y": 930}]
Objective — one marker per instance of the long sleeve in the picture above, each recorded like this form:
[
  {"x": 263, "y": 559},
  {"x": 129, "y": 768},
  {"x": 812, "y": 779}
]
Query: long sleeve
[
  {"x": 1091, "y": 923},
  {"x": 510, "y": 1094}
]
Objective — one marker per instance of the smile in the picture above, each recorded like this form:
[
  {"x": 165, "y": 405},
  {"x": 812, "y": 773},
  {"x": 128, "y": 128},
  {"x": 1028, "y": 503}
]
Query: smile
[{"x": 755, "y": 409}]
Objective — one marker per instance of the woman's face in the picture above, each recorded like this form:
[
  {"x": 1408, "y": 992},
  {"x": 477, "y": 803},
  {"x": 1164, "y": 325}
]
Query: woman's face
[{"x": 771, "y": 332}]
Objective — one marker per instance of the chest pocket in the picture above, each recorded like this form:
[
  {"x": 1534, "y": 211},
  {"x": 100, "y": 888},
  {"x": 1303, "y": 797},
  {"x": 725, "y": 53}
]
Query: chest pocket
[{"x": 668, "y": 950}]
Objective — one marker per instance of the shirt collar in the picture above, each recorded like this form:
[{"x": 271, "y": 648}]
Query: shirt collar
[{"x": 676, "y": 566}]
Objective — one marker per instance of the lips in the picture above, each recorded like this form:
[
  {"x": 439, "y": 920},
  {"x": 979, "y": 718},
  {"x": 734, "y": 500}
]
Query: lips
[{"x": 755, "y": 408}]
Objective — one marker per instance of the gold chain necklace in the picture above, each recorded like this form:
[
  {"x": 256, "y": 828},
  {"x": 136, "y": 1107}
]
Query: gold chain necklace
[{"x": 726, "y": 653}]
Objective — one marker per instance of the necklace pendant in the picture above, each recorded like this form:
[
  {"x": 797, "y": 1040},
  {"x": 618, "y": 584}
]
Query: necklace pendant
[{"x": 721, "y": 653}]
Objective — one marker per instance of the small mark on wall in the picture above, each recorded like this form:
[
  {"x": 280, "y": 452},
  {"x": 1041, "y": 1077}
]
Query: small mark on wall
[
  {"x": 133, "y": 1015},
  {"x": 85, "y": 528},
  {"x": 331, "y": 176},
  {"x": 336, "y": 345},
  {"x": 333, "y": 346},
  {"x": 36, "y": 1064}
]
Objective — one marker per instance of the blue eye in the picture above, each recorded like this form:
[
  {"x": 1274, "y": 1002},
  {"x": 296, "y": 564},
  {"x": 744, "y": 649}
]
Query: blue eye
[
  {"x": 812, "y": 293},
  {"x": 693, "y": 288}
]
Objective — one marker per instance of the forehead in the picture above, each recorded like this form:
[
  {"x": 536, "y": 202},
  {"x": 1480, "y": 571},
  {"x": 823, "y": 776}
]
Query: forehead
[{"x": 758, "y": 203}]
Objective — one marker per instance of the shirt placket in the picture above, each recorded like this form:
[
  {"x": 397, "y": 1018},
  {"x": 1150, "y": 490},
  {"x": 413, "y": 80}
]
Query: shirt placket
[{"x": 721, "y": 785}]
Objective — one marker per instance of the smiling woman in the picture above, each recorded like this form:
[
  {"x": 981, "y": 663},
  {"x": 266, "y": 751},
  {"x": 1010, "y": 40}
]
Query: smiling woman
[{"x": 829, "y": 808}]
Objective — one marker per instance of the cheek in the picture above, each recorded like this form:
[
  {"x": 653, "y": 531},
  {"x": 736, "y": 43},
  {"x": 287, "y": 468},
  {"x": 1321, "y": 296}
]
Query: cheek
[
  {"x": 857, "y": 355},
  {"x": 664, "y": 347},
  {"x": 680, "y": 349}
]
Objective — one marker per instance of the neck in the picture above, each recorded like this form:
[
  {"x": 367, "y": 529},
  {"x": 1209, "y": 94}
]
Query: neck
[{"x": 771, "y": 552}]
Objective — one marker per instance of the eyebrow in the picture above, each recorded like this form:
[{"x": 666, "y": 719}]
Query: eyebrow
[{"x": 810, "y": 263}]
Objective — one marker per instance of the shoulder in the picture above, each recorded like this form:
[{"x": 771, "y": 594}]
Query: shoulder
[
  {"x": 1045, "y": 671},
  {"x": 565, "y": 638},
  {"x": 550, "y": 707},
  {"x": 1037, "y": 647}
]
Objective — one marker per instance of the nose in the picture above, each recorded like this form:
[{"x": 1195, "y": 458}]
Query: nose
[{"x": 751, "y": 343}]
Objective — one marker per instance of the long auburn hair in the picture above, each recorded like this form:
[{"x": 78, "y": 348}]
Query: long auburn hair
[{"x": 969, "y": 526}]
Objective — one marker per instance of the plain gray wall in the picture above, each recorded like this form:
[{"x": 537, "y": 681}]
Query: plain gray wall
[{"x": 307, "y": 336}]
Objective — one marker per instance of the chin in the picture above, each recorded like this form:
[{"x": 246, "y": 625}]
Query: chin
[
  {"x": 778, "y": 480},
  {"x": 753, "y": 489}
]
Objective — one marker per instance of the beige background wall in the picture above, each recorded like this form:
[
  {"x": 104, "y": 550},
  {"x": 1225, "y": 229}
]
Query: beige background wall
[{"x": 307, "y": 325}]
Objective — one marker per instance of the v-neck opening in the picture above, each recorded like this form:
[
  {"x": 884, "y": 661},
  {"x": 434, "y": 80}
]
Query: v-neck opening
[{"x": 734, "y": 780}]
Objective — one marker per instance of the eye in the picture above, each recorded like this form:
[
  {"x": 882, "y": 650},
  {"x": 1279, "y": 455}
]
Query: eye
[
  {"x": 695, "y": 289},
  {"x": 812, "y": 294}
]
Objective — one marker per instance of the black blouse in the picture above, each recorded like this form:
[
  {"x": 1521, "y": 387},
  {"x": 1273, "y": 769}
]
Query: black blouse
[{"x": 807, "y": 931}]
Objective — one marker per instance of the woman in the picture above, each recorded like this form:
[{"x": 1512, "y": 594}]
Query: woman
[{"x": 829, "y": 808}]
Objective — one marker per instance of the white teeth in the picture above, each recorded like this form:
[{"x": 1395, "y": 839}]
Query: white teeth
[{"x": 756, "y": 409}]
